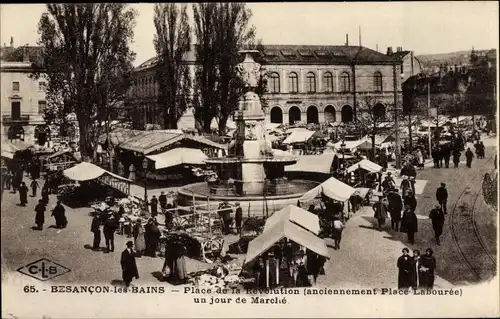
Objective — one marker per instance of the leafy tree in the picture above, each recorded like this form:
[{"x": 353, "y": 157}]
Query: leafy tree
[
  {"x": 222, "y": 30},
  {"x": 86, "y": 61},
  {"x": 172, "y": 42},
  {"x": 370, "y": 119}
]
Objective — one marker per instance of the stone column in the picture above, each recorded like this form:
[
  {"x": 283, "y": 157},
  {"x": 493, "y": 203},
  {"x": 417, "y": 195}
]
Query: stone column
[
  {"x": 338, "y": 114},
  {"x": 319, "y": 82},
  {"x": 336, "y": 79},
  {"x": 301, "y": 81}
]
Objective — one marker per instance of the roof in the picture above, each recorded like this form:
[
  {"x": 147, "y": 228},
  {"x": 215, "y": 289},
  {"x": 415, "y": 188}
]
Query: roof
[
  {"x": 289, "y": 230},
  {"x": 87, "y": 171},
  {"x": 401, "y": 54},
  {"x": 299, "y": 136},
  {"x": 302, "y": 54},
  {"x": 61, "y": 152},
  {"x": 178, "y": 156},
  {"x": 14, "y": 146},
  {"x": 296, "y": 215},
  {"x": 148, "y": 142},
  {"x": 312, "y": 163},
  {"x": 366, "y": 165},
  {"x": 362, "y": 143},
  {"x": 332, "y": 188}
]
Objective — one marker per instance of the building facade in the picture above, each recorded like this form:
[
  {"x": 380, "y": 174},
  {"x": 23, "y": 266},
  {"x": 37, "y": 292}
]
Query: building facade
[
  {"x": 310, "y": 84},
  {"x": 22, "y": 104}
]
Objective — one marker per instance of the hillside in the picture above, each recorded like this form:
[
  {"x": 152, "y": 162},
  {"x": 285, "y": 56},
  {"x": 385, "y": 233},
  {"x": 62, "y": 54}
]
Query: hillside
[{"x": 452, "y": 58}]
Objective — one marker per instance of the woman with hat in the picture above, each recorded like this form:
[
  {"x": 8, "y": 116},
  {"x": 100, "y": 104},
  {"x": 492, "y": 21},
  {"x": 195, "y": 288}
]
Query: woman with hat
[
  {"x": 405, "y": 265},
  {"x": 426, "y": 269},
  {"x": 140, "y": 241},
  {"x": 405, "y": 186},
  {"x": 129, "y": 266}
]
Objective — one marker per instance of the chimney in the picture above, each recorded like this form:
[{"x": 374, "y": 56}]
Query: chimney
[
  {"x": 399, "y": 49},
  {"x": 389, "y": 51},
  {"x": 26, "y": 57},
  {"x": 347, "y": 40},
  {"x": 11, "y": 42}
]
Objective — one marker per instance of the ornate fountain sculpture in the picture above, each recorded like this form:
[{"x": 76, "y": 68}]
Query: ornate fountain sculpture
[
  {"x": 250, "y": 174},
  {"x": 250, "y": 155}
]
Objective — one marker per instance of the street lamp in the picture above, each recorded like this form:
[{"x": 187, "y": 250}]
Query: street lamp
[
  {"x": 145, "y": 166},
  {"x": 342, "y": 147}
]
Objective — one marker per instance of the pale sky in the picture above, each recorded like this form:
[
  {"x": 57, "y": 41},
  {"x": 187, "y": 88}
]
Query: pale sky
[{"x": 424, "y": 27}]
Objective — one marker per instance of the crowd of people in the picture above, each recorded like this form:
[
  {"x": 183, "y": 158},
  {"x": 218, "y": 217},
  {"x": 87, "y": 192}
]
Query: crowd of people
[{"x": 416, "y": 271}]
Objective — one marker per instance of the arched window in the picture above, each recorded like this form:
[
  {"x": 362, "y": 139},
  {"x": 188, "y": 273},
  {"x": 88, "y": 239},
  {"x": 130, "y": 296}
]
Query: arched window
[
  {"x": 311, "y": 82},
  {"x": 328, "y": 82},
  {"x": 293, "y": 83},
  {"x": 273, "y": 82},
  {"x": 377, "y": 82},
  {"x": 345, "y": 83},
  {"x": 276, "y": 115}
]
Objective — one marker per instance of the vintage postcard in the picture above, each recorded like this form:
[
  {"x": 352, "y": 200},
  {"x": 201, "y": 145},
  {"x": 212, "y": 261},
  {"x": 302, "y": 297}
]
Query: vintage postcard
[{"x": 249, "y": 160}]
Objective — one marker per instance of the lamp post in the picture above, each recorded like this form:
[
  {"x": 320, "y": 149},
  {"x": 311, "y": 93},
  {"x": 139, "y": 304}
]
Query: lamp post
[
  {"x": 145, "y": 166},
  {"x": 342, "y": 147}
]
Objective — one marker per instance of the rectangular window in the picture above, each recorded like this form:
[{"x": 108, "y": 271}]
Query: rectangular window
[
  {"x": 16, "y": 110},
  {"x": 42, "y": 86},
  {"x": 15, "y": 87},
  {"x": 41, "y": 106}
]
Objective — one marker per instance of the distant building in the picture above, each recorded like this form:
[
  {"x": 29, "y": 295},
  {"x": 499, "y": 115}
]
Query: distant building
[
  {"x": 311, "y": 84},
  {"x": 22, "y": 98}
]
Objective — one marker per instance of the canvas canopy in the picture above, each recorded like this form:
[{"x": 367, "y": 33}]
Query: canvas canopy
[
  {"x": 296, "y": 215},
  {"x": 367, "y": 165},
  {"x": 289, "y": 230},
  {"x": 7, "y": 155},
  {"x": 350, "y": 145},
  {"x": 178, "y": 156},
  {"x": 299, "y": 136},
  {"x": 312, "y": 163},
  {"x": 88, "y": 171},
  {"x": 332, "y": 188}
]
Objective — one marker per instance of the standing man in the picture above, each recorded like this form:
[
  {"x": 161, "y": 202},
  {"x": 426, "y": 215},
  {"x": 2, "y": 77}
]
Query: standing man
[
  {"x": 468, "y": 157},
  {"x": 442, "y": 196},
  {"x": 380, "y": 209},
  {"x": 437, "y": 217},
  {"x": 59, "y": 214},
  {"x": 34, "y": 186},
  {"x": 395, "y": 208},
  {"x": 456, "y": 158},
  {"x": 238, "y": 216},
  {"x": 163, "y": 200},
  {"x": 96, "y": 229},
  {"x": 110, "y": 226},
  {"x": 129, "y": 266},
  {"x": 446, "y": 155},
  {"x": 338, "y": 227},
  {"x": 23, "y": 194},
  {"x": 40, "y": 215},
  {"x": 410, "y": 223},
  {"x": 154, "y": 206}
]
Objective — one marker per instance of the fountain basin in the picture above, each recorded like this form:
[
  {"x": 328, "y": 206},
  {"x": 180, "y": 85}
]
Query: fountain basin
[{"x": 200, "y": 194}]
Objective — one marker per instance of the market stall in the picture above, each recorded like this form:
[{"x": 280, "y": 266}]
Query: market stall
[
  {"x": 333, "y": 189},
  {"x": 60, "y": 160},
  {"x": 296, "y": 215},
  {"x": 283, "y": 236}
]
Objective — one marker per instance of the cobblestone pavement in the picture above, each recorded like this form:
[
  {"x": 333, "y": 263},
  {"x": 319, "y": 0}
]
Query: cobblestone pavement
[{"x": 367, "y": 257}]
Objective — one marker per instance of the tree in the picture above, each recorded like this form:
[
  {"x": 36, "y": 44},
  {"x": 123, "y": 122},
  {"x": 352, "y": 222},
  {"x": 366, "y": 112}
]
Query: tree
[
  {"x": 372, "y": 115},
  {"x": 222, "y": 30},
  {"x": 172, "y": 42},
  {"x": 86, "y": 61}
]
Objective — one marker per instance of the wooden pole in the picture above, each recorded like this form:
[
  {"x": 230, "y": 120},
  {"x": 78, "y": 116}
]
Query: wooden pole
[
  {"x": 209, "y": 217},
  {"x": 277, "y": 271},
  {"x": 267, "y": 272},
  {"x": 194, "y": 210}
]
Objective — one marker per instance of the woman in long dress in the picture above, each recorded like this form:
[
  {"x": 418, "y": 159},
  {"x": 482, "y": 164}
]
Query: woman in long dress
[
  {"x": 426, "y": 269},
  {"x": 415, "y": 267},
  {"x": 179, "y": 268},
  {"x": 404, "y": 270},
  {"x": 140, "y": 241}
]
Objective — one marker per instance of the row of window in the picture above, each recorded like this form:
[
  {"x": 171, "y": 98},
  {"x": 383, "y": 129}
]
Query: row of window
[
  {"x": 16, "y": 86},
  {"x": 273, "y": 82},
  {"x": 15, "y": 109},
  {"x": 144, "y": 85}
]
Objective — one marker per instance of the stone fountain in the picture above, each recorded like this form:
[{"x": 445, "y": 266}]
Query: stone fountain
[{"x": 250, "y": 174}]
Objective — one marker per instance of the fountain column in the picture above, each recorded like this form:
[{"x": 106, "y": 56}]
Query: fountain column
[{"x": 250, "y": 143}]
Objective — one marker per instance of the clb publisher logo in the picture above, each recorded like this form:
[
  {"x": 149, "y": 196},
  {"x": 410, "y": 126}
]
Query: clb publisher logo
[{"x": 43, "y": 269}]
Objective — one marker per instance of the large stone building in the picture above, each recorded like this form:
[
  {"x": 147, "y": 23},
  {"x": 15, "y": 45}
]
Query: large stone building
[
  {"x": 22, "y": 99},
  {"x": 311, "y": 84}
]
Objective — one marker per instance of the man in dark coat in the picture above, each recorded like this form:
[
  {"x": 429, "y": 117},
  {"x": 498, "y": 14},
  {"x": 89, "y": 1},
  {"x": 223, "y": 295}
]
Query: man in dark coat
[
  {"x": 238, "y": 216},
  {"x": 410, "y": 224},
  {"x": 456, "y": 158},
  {"x": 404, "y": 269},
  {"x": 59, "y": 214},
  {"x": 442, "y": 196},
  {"x": 40, "y": 215},
  {"x": 8, "y": 179},
  {"x": 34, "y": 186},
  {"x": 411, "y": 201},
  {"x": 96, "y": 229},
  {"x": 110, "y": 226},
  {"x": 129, "y": 266},
  {"x": 380, "y": 209},
  {"x": 23, "y": 194},
  {"x": 437, "y": 217},
  {"x": 436, "y": 155},
  {"x": 468, "y": 157},
  {"x": 446, "y": 155},
  {"x": 45, "y": 193},
  {"x": 163, "y": 200},
  {"x": 395, "y": 208},
  {"x": 154, "y": 206},
  {"x": 152, "y": 236}
]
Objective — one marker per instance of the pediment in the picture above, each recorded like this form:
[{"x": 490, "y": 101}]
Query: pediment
[{"x": 15, "y": 97}]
